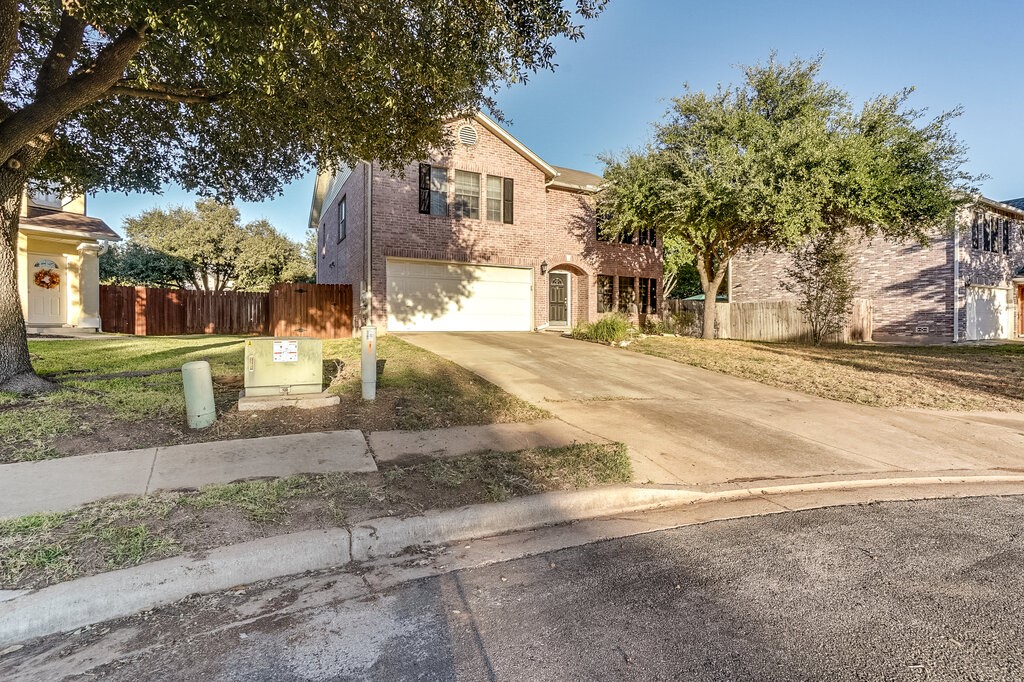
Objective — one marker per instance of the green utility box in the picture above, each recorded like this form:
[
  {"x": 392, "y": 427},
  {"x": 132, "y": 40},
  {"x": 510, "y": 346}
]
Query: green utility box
[{"x": 283, "y": 366}]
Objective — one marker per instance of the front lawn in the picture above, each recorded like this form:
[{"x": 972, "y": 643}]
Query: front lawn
[
  {"x": 962, "y": 377},
  {"x": 43, "y": 549},
  {"x": 97, "y": 412}
]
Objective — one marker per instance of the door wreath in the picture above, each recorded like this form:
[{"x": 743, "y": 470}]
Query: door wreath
[{"x": 47, "y": 278}]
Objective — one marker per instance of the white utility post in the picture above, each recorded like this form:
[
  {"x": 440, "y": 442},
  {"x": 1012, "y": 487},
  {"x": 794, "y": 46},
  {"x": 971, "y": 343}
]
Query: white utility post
[{"x": 369, "y": 363}]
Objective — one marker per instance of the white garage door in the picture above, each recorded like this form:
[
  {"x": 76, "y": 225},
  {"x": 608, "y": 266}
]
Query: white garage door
[
  {"x": 988, "y": 316},
  {"x": 428, "y": 296}
]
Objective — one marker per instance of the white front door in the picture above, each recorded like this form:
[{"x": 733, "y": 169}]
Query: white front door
[
  {"x": 432, "y": 296},
  {"x": 47, "y": 284},
  {"x": 987, "y": 313}
]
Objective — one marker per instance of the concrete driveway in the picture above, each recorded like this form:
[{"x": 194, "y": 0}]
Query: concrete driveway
[{"x": 685, "y": 425}]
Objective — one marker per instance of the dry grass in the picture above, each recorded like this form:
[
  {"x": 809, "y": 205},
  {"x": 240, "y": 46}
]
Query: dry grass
[
  {"x": 960, "y": 378},
  {"x": 43, "y": 549}
]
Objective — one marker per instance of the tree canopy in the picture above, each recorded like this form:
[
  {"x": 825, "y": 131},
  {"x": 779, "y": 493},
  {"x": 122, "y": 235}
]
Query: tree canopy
[
  {"x": 206, "y": 248},
  {"x": 779, "y": 158},
  {"x": 236, "y": 97}
]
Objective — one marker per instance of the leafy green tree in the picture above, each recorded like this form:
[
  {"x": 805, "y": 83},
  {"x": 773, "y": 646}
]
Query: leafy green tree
[
  {"x": 821, "y": 277},
  {"x": 236, "y": 97},
  {"x": 213, "y": 250},
  {"x": 137, "y": 265},
  {"x": 780, "y": 158}
]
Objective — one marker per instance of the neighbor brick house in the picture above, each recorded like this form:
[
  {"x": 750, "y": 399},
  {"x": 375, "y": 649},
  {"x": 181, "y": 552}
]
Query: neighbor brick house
[
  {"x": 487, "y": 237},
  {"x": 968, "y": 285}
]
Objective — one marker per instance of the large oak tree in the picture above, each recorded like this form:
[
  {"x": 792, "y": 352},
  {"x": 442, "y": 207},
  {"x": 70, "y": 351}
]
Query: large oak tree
[
  {"x": 779, "y": 158},
  {"x": 236, "y": 97}
]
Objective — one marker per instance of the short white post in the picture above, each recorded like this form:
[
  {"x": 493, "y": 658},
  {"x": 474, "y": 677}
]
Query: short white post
[
  {"x": 368, "y": 368},
  {"x": 198, "y": 384}
]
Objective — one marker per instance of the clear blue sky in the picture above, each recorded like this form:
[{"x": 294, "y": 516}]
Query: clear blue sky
[{"x": 610, "y": 86}]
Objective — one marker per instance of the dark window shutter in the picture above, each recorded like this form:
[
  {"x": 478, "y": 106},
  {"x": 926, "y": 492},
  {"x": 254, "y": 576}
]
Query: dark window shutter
[
  {"x": 424, "y": 188},
  {"x": 987, "y": 235},
  {"x": 507, "y": 191},
  {"x": 975, "y": 237},
  {"x": 654, "y": 295},
  {"x": 1006, "y": 236}
]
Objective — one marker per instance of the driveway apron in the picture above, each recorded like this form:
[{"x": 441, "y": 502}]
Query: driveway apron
[{"x": 686, "y": 425}]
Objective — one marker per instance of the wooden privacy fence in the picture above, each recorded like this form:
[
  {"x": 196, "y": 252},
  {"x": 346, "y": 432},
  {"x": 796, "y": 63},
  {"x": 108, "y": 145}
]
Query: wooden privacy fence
[
  {"x": 322, "y": 311},
  {"x": 775, "y": 320},
  {"x": 146, "y": 311}
]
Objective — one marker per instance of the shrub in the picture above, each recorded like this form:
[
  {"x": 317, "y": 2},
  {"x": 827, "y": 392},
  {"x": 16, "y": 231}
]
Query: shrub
[
  {"x": 609, "y": 329},
  {"x": 821, "y": 277}
]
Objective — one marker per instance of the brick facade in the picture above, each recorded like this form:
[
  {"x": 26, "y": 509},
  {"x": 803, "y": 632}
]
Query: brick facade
[
  {"x": 552, "y": 225},
  {"x": 911, "y": 286}
]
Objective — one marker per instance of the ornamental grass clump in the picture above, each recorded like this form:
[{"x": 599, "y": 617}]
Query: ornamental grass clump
[{"x": 609, "y": 329}]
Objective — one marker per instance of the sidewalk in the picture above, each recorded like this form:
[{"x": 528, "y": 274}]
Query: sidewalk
[{"x": 61, "y": 484}]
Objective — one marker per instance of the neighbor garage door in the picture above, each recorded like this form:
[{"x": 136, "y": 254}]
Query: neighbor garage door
[
  {"x": 428, "y": 296},
  {"x": 987, "y": 313}
]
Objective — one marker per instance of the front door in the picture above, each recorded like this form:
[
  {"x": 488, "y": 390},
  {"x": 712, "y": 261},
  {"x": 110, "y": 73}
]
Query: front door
[
  {"x": 46, "y": 289},
  {"x": 558, "y": 299}
]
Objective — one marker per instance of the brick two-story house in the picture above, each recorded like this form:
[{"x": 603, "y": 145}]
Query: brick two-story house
[
  {"x": 486, "y": 237},
  {"x": 968, "y": 285}
]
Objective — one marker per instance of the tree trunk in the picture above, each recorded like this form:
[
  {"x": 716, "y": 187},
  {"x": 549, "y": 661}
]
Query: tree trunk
[
  {"x": 710, "y": 281},
  {"x": 16, "y": 373}
]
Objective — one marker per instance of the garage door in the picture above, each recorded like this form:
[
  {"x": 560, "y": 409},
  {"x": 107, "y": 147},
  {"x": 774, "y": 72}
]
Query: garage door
[
  {"x": 988, "y": 316},
  {"x": 428, "y": 296}
]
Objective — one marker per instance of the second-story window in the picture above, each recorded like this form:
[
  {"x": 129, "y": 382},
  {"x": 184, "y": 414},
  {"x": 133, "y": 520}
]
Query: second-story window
[
  {"x": 494, "y": 204},
  {"x": 467, "y": 194},
  {"x": 647, "y": 237},
  {"x": 342, "y": 219},
  {"x": 601, "y": 218},
  {"x": 433, "y": 186}
]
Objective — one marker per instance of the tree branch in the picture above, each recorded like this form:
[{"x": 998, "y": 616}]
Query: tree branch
[
  {"x": 165, "y": 93},
  {"x": 57, "y": 66},
  {"x": 10, "y": 19},
  {"x": 85, "y": 87}
]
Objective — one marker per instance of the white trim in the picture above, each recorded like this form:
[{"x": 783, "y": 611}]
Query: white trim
[
  {"x": 523, "y": 150},
  {"x": 568, "y": 296},
  {"x": 22, "y": 227},
  {"x": 956, "y": 281}
]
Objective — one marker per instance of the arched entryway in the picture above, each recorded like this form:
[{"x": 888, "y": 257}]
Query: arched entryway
[{"x": 566, "y": 295}]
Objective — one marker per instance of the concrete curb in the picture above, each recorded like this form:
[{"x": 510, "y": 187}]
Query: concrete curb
[{"x": 77, "y": 603}]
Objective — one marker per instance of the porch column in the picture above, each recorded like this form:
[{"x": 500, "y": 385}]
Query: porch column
[{"x": 89, "y": 286}]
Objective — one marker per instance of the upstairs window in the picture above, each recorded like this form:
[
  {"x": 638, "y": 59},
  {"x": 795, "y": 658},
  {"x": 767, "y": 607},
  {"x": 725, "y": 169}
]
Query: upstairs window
[
  {"x": 601, "y": 219},
  {"x": 605, "y": 293},
  {"x": 627, "y": 238},
  {"x": 433, "y": 186},
  {"x": 494, "y": 202},
  {"x": 467, "y": 194},
  {"x": 342, "y": 219},
  {"x": 647, "y": 237}
]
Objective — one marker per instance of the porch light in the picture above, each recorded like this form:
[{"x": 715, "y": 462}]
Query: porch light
[{"x": 544, "y": 267}]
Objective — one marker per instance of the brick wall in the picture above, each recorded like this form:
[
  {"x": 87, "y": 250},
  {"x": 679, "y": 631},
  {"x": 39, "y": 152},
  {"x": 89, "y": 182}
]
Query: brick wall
[
  {"x": 552, "y": 225},
  {"x": 343, "y": 262},
  {"x": 910, "y": 286}
]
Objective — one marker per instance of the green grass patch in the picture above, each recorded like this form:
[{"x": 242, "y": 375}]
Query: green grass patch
[{"x": 260, "y": 500}]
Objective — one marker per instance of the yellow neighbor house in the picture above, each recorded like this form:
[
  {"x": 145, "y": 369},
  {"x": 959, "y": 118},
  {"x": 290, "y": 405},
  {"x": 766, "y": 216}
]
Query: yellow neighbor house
[{"x": 58, "y": 262}]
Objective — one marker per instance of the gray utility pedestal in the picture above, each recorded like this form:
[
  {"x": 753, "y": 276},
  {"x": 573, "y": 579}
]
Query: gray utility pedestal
[{"x": 284, "y": 372}]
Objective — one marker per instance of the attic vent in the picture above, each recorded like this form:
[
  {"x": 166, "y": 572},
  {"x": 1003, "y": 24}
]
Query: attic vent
[{"x": 467, "y": 134}]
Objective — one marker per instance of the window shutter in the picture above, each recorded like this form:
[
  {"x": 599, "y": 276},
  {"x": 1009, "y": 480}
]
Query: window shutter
[
  {"x": 424, "y": 188},
  {"x": 1006, "y": 236},
  {"x": 975, "y": 237},
  {"x": 506, "y": 193}
]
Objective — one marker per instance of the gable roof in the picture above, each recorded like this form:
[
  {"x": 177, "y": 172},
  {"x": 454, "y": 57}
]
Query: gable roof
[
  {"x": 507, "y": 138},
  {"x": 1016, "y": 203},
  {"x": 62, "y": 222},
  {"x": 1009, "y": 206}
]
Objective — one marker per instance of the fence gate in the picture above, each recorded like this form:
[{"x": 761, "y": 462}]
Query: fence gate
[{"x": 322, "y": 311}]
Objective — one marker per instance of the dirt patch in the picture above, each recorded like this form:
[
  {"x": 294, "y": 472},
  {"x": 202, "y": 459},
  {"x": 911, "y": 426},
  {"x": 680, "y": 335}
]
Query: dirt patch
[{"x": 42, "y": 549}]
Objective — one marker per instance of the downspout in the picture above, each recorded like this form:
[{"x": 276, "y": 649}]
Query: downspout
[
  {"x": 368, "y": 241},
  {"x": 956, "y": 280}
]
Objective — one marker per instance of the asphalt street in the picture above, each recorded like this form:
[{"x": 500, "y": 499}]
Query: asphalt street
[{"x": 928, "y": 590}]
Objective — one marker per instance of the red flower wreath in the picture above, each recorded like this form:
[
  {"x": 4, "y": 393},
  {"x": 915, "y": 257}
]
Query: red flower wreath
[{"x": 47, "y": 278}]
